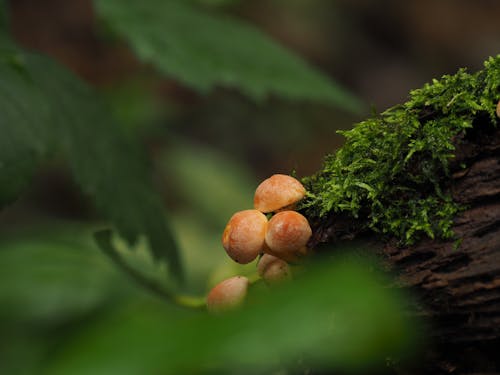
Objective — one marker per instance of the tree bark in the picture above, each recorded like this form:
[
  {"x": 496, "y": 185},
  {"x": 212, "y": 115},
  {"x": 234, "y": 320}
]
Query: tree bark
[{"x": 457, "y": 283}]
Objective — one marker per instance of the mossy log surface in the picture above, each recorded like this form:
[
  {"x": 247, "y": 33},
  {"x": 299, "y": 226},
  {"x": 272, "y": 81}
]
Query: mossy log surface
[
  {"x": 458, "y": 287},
  {"x": 457, "y": 283}
]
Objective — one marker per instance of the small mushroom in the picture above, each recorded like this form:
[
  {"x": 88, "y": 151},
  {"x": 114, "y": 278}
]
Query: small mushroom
[
  {"x": 277, "y": 192},
  {"x": 227, "y": 295},
  {"x": 498, "y": 109},
  {"x": 243, "y": 237},
  {"x": 273, "y": 270},
  {"x": 287, "y": 235}
]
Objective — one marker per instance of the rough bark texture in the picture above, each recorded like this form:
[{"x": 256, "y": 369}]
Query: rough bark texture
[{"x": 458, "y": 287}]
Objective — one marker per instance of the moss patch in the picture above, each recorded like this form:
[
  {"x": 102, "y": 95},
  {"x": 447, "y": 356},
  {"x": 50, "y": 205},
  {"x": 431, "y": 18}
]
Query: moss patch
[{"x": 393, "y": 171}]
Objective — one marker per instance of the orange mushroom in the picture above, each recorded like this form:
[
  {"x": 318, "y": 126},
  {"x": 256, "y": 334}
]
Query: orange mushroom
[
  {"x": 243, "y": 237},
  {"x": 277, "y": 192},
  {"x": 227, "y": 295},
  {"x": 273, "y": 269},
  {"x": 287, "y": 235}
]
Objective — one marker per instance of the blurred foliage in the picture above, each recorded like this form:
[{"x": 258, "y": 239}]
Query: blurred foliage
[
  {"x": 50, "y": 278},
  {"x": 23, "y": 137},
  {"x": 50, "y": 282},
  {"x": 217, "y": 3},
  {"x": 202, "y": 49},
  {"x": 44, "y": 109},
  {"x": 259, "y": 134},
  {"x": 208, "y": 181},
  {"x": 4, "y": 17},
  {"x": 66, "y": 310},
  {"x": 136, "y": 109},
  {"x": 272, "y": 332}
]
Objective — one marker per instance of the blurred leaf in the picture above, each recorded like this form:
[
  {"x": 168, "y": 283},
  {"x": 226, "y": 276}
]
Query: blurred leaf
[
  {"x": 148, "y": 281},
  {"x": 105, "y": 164},
  {"x": 202, "y": 49},
  {"x": 211, "y": 182},
  {"x": 22, "y": 352},
  {"x": 54, "y": 277},
  {"x": 135, "y": 106},
  {"x": 201, "y": 248},
  {"x": 4, "y": 16},
  {"x": 23, "y": 117},
  {"x": 50, "y": 281},
  {"x": 43, "y": 106},
  {"x": 206, "y": 262},
  {"x": 216, "y": 3},
  {"x": 334, "y": 317}
]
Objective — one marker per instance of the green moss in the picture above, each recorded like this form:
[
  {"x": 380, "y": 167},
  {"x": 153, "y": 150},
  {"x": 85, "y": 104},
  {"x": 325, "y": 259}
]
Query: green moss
[{"x": 393, "y": 171}]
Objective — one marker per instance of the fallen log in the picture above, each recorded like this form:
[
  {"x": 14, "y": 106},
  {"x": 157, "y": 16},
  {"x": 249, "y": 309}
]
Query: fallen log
[{"x": 456, "y": 279}]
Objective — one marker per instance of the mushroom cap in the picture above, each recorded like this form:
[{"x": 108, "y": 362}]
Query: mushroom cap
[
  {"x": 498, "y": 109},
  {"x": 276, "y": 192},
  {"x": 227, "y": 295},
  {"x": 287, "y": 235},
  {"x": 273, "y": 269},
  {"x": 243, "y": 237}
]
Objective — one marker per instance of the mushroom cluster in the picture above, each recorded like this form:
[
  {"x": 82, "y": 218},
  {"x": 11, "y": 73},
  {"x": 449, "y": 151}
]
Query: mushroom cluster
[
  {"x": 498, "y": 109},
  {"x": 278, "y": 241}
]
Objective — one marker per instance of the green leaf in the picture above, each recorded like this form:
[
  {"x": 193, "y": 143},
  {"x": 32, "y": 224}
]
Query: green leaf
[
  {"x": 45, "y": 108},
  {"x": 227, "y": 186},
  {"x": 52, "y": 278},
  {"x": 104, "y": 241},
  {"x": 55, "y": 276},
  {"x": 4, "y": 16},
  {"x": 337, "y": 316},
  {"x": 106, "y": 164},
  {"x": 23, "y": 114},
  {"x": 203, "y": 49}
]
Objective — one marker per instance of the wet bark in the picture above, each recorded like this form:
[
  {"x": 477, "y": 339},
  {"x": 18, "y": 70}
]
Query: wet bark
[{"x": 458, "y": 288}]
